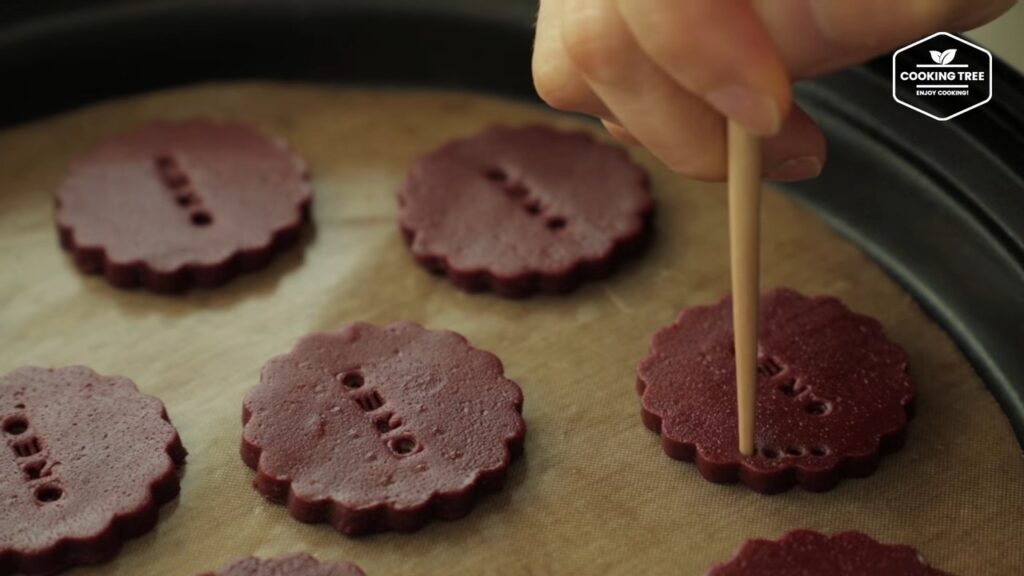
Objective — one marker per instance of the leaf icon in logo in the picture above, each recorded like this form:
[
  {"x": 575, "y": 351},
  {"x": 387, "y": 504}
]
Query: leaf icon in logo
[
  {"x": 948, "y": 55},
  {"x": 936, "y": 56}
]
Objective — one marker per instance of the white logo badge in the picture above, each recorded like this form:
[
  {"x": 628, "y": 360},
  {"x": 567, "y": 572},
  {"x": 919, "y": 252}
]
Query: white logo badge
[{"x": 942, "y": 76}]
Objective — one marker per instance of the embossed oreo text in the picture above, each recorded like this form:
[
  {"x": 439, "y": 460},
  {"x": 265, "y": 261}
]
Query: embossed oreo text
[
  {"x": 518, "y": 192},
  {"x": 386, "y": 422},
  {"x": 174, "y": 178},
  {"x": 38, "y": 467},
  {"x": 772, "y": 371}
]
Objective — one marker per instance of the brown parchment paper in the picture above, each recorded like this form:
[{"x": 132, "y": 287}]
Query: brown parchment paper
[{"x": 594, "y": 494}]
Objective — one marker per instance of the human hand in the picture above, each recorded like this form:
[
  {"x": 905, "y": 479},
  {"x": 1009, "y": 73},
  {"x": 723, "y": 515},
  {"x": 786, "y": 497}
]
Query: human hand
[{"x": 666, "y": 73}]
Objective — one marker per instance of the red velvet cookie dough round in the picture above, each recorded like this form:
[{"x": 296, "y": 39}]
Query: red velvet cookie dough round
[
  {"x": 813, "y": 554},
  {"x": 524, "y": 210},
  {"x": 292, "y": 565},
  {"x": 86, "y": 463},
  {"x": 175, "y": 205},
  {"x": 381, "y": 428},
  {"x": 833, "y": 393}
]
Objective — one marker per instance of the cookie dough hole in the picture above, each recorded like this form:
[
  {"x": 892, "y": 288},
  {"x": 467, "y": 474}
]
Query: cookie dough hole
[
  {"x": 795, "y": 451},
  {"x": 516, "y": 191},
  {"x": 34, "y": 470},
  {"x": 201, "y": 218},
  {"x": 770, "y": 453},
  {"x": 788, "y": 388},
  {"x": 26, "y": 448},
  {"x": 387, "y": 424},
  {"x": 556, "y": 223},
  {"x": 16, "y": 426},
  {"x": 19, "y": 406},
  {"x": 533, "y": 207},
  {"x": 768, "y": 367},
  {"x": 402, "y": 446},
  {"x": 170, "y": 172},
  {"x": 496, "y": 174},
  {"x": 47, "y": 494},
  {"x": 187, "y": 199},
  {"x": 370, "y": 401},
  {"x": 819, "y": 451},
  {"x": 817, "y": 408},
  {"x": 352, "y": 380}
]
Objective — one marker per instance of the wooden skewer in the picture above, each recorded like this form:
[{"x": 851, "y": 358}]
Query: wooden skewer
[{"x": 744, "y": 242}]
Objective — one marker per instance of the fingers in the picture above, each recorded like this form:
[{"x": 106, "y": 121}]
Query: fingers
[
  {"x": 587, "y": 59},
  {"x": 651, "y": 108},
  {"x": 663, "y": 73},
  {"x": 814, "y": 37},
  {"x": 675, "y": 125},
  {"x": 555, "y": 77},
  {"x": 718, "y": 50},
  {"x": 620, "y": 133},
  {"x": 798, "y": 152}
]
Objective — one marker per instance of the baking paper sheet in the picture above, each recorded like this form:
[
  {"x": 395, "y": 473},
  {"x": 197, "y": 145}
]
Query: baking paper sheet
[{"x": 594, "y": 494}]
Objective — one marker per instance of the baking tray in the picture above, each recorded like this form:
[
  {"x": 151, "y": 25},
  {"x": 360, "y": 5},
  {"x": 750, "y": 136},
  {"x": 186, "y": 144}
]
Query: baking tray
[
  {"x": 593, "y": 493},
  {"x": 939, "y": 205}
]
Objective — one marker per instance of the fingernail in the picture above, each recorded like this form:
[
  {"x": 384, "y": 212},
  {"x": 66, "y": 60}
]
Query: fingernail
[
  {"x": 620, "y": 133},
  {"x": 794, "y": 169},
  {"x": 754, "y": 111}
]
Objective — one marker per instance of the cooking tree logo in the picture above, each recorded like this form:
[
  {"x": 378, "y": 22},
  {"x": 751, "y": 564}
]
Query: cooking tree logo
[
  {"x": 942, "y": 76},
  {"x": 943, "y": 58}
]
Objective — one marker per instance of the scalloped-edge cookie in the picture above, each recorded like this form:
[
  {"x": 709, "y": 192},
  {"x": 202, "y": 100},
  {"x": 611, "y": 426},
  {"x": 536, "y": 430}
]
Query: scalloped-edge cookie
[
  {"x": 809, "y": 553},
  {"x": 174, "y": 205},
  {"x": 833, "y": 393},
  {"x": 521, "y": 210},
  {"x": 86, "y": 461},
  {"x": 290, "y": 565},
  {"x": 381, "y": 428}
]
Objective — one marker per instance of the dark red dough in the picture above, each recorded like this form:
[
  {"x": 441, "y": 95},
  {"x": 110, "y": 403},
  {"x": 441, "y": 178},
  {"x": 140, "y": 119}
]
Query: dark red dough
[
  {"x": 175, "y": 205},
  {"x": 833, "y": 393},
  {"x": 381, "y": 428},
  {"x": 524, "y": 210},
  {"x": 86, "y": 461},
  {"x": 807, "y": 553},
  {"x": 292, "y": 565}
]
